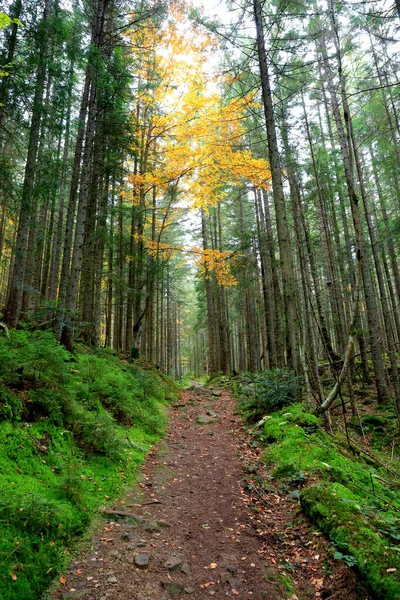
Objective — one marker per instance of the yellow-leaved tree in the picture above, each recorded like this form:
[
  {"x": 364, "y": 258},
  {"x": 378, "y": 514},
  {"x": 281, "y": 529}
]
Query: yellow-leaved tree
[{"x": 190, "y": 143}]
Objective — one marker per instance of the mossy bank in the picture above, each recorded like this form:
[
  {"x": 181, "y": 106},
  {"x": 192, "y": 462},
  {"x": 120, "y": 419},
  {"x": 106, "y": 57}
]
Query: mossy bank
[
  {"x": 356, "y": 504},
  {"x": 348, "y": 488},
  {"x": 73, "y": 432}
]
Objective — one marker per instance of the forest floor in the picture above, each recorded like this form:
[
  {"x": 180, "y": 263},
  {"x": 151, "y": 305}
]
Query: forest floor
[{"x": 199, "y": 526}]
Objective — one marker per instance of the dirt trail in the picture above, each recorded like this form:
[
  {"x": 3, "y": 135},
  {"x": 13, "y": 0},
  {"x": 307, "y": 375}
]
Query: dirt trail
[{"x": 195, "y": 530}]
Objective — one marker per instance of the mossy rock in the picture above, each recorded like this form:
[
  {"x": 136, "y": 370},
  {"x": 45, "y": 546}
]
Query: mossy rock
[{"x": 374, "y": 421}]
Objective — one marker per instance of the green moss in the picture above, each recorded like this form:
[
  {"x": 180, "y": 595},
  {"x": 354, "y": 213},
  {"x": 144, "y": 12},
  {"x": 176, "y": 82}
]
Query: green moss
[
  {"x": 354, "y": 502},
  {"x": 345, "y": 524},
  {"x": 73, "y": 431}
]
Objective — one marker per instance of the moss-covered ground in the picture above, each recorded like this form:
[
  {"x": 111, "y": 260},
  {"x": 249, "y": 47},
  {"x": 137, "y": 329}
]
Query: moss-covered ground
[
  {"x": 349, "y": 495},
  {"x": 73, "y": 432}
]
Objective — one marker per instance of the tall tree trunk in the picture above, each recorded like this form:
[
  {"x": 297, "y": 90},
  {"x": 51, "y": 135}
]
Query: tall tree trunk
[
  {"x": 287, "y": 270},
  {"x": 13, "y": 307}
]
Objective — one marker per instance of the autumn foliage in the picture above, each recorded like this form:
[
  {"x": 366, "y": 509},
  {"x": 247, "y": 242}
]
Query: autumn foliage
[{"x": 190, "y": 142}]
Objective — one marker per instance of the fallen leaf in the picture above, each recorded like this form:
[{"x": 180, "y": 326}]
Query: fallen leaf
[
  {"x": 13, "y": 577},
  {"x": 213, "y": 565},
  {"x": 63, "y": 580},
  {"x": 392, "y": 570}
]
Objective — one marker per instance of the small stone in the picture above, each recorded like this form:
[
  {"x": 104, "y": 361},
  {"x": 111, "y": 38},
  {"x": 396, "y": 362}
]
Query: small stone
[
  {"x": 210, "y": 433},
  {"x": 115, "y": 553},
  {"x": 185, "y": 569},
  {"x": 173, "y": 563},
  {"x": 149, "y": 587},
  {"x": 205, "y": 420},
  {"x": 141, "y": 544},
  {"x": 130, "y": 537},
  {"x": 189, "y": 590},
  {"x": 212, "y": 414},
  {"x": 152, "y": 527},
  {"x": 130, "y": 546},
  {"x": 142, "y": 560},
  {"x": 216, "y": 393},
  {"x": 112, "y": 579},
  {"x": 91, "y": 556},
  {"x": 235, "y": 583},
  {"x": 231, "y": 568},
  {"x": 225, "y": 577},
  {"x": 171, "y": 586},
  {"x": 72, "y": 595}
]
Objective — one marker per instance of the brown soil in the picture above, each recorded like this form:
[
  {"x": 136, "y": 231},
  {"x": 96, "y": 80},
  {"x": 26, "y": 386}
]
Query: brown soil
[{"x": 206, "y": 525}]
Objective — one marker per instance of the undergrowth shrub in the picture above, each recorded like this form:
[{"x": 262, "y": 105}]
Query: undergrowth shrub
[
  {"x": 262, "y": 393},
  {"x": 32, "y": 360}
]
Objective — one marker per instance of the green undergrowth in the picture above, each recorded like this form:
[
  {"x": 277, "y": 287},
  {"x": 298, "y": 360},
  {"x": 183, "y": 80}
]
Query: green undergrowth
[
  {"x": 262, "y": 393},
  {"x": 73, "y": 432},
  {"x": 350, "y": 497}
]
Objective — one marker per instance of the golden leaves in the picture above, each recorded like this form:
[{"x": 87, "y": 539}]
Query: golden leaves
[
  {"x": 216, "y": 263},
  {"x": 189, "y": 142}
]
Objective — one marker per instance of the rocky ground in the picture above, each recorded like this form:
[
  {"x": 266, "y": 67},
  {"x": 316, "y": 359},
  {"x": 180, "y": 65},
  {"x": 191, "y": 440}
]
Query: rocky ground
[{"x": 201, "y": 524}]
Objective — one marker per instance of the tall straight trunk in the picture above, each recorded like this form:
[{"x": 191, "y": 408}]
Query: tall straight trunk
[
  {"x": 348, "y": 246},
  {"x": 308, "y": 335},
  {"x": 99, "y": 259},
  {"x": 2, "y": 227},
  {"x": 73, "y": 194},
  {"x": 131, "y": 269},
  {"x": 13, "y": 307},
  {"x": 76, "y": 259},
  {"x": 109, "y": 302},
  {"x": 119, "y": 296},
  {"x": 266, "y": 280},
  {"x": 71, "y": 299},
  {"x": 287, "y": 270},
  {"x": 93, "y": 231},
  {"x": 348, "y": 148},
  {"x": 332, "y": 280},
  {"x": 383, "y": 83},
  {"x": 5, "y": 81},
  {"x": 36, "y": 223},
  {"x": 59, "y": 223},
  {"x": 212, "y": 342},
  {"x": 276, "y": 284},
  {"x": 388, "y": 232}
]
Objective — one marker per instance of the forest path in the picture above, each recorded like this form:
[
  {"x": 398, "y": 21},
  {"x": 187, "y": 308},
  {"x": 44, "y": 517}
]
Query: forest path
[{"x": 201, "y": 527}]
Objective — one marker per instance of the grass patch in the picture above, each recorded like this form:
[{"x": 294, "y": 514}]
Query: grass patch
[
  {"x": 354, "y": 502},
  {"x": 73, "y": 432}
]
